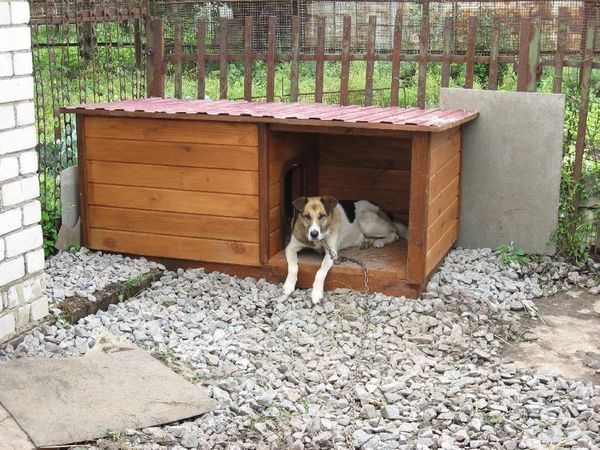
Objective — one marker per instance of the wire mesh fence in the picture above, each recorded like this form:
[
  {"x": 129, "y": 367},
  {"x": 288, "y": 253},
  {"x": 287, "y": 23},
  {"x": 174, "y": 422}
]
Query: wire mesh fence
[{"x": 340, "y": 52}]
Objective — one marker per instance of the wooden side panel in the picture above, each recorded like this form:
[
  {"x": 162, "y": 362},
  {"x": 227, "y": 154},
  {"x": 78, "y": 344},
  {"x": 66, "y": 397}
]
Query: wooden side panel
[
  {"x": 367, "y": 168},
  {"x": 169, "y": 200},
  {"x": 175, "y": 246},
  {"x": 285, "y": 148},
  {"x": 172, "y": 188},
  {"x": 173, "y": 153},
  {"x": 175, "y": 224},
  {"x": 173, "y": 177},
  {"x": 444, "y": 195},
  {"x": 169, "y": 130}
]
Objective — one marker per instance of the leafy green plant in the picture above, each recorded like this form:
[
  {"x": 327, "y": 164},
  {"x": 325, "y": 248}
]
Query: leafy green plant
[
  {"x": 51, "y": 213},
  {"x": 511, "y": 254}
]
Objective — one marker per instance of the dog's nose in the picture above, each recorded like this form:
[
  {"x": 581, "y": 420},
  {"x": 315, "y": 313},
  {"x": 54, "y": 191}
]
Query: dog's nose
[{"x": 314, "y": 233}]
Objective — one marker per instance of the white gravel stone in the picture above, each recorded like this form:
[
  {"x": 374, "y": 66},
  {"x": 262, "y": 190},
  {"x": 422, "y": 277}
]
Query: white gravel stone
[{"x": 362, "y": 371}]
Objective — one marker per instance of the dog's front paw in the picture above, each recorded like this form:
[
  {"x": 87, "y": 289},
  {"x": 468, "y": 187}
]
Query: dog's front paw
[
  {"x": 379, "y": 243},
  {"x": 288, "y": 287},
  {"x": 316, "y": 296}
]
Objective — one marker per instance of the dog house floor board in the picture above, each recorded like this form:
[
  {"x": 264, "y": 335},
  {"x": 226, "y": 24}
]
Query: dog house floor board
[{"x": 386, "y": 268}]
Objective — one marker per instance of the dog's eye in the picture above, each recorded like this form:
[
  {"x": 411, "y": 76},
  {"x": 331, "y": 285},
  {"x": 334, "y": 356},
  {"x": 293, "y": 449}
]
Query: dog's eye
[
  {"x": 321, "y": 216},
  {"x": 306, "y": 216}
]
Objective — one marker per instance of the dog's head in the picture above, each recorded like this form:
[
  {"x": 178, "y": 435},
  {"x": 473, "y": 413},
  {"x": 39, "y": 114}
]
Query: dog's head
[{"x": 314, "y": 215}]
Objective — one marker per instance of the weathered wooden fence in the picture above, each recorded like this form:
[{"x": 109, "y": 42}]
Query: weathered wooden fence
[{"x": 527, "y": 59}]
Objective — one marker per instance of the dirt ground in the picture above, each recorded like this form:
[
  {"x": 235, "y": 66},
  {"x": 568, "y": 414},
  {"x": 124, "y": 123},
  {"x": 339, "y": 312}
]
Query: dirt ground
[{"x": 566, "y": 340}]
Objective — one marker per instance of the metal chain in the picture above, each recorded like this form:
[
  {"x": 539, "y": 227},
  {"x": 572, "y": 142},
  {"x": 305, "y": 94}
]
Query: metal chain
[{"x": 340, "y": 259}]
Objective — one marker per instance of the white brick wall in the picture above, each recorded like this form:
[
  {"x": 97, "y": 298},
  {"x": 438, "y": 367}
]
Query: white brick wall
[
  {"x": 9, "y": 168},
  {"x": 22, "y": 297}
]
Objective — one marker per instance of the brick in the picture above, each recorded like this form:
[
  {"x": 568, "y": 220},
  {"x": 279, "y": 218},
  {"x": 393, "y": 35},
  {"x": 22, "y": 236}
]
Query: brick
[
  {"x": 7, "y": 117},
  {"x": 15, "y": 89},
  {"x": 14, "y": 296},
  {"x": 7, "y": 325},
  {"x": 23, "y": 316},
  {"x": 6, "y": 63},
  {"x": 19, "y": 13},
  {"x": 15, "y": 38},
  {"x": 25, "y": 113},
  {"x": 9, "y": 168},
  {"x": 23, "y": 241},
  {"x": 28, "y": 162},
  {"x": 19, "y": 191},
  {"x": 4, "y": 13},
  {"x": 10, "y": 220},
  {"x": 17, "y": 140},
  {"x": 34, "y": 261},
  {"x": 11, "y": 270},
  {"x": 39, "y": 308},
  {"x": 22, "y": 63},
  {"x": 32, "y": 213}
]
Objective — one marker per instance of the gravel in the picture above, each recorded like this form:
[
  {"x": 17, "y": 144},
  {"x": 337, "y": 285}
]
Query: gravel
[
  {"x": 354, "y": 372},
  {"x": 84, "y": 272}
]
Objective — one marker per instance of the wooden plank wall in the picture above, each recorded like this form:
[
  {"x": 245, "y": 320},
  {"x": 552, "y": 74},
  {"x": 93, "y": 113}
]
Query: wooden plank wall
[
  {"x": 367, "y": 168},
  {"x": 283, "y": 148},
  {"x": 444, "y": 195},
  {"x": 171, "y": 188}
]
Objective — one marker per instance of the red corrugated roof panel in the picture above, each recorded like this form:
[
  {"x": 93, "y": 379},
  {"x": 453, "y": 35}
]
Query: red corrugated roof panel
[{"x": 314, "y": 114}]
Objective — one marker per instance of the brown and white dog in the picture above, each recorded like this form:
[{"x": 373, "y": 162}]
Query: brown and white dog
[{"x": 323, "y": 223}]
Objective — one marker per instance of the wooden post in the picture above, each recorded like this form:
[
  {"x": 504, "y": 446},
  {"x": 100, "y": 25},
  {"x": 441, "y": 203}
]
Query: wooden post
[
  {"x": 419, "y": 193},
  {"x": 223, "y": 62},
  {"x": 494, "y": 53},
  {"x": 529, "y": 52},
  {"x": 248, "y": 59},
  {"x": 370, "y": 57},
  {"x": 423, "y": 48},
  {"x": 320, "y": 59},
  {"x": 447, "y": 51},
  {"x": 155, "y": 75},
  {"x": 178, "y": 50},
  {"x": 201, "y": 58},
  {"x": 559, "y": 56},
  {"x": 271, "y": 59},
  {"x": 585, "y": 73},
  {"x": 345, "y": 61},
  {"x": 294, "y": 64},
  {"x": 471, "y": 35},
  {"x": 396, "y": 53}
]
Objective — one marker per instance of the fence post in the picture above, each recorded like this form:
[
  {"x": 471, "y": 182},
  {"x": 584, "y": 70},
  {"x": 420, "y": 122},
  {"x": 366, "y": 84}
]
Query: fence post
[
  {"x": 155, "y": 75},
  {"x": 585, "y": 73},
  {"x": 423, "y": 48},
  {"x": 223, "y": 61},
  {"x": 529, "y": 52},
  {"x": 248, "y": 41},
  {"x": 294, "y": 64},
  {"x": 178, "y": 50},
  {"x": 345, "y": 75}
]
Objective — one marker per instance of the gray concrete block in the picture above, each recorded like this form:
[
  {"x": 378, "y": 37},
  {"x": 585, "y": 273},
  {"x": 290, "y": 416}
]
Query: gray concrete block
[
  {"x": 69, "y": 196},
  {"x": 511, "y": 167}
]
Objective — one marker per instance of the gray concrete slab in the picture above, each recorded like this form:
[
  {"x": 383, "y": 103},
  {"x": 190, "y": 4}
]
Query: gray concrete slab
[
  {"x": 59, "y": 401},
  {"x": 11, "y": 434},
  {"x": 511, "y": 167}
]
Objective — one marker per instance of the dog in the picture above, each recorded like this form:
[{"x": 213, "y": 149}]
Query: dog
[{"x": 328, "y": 225}]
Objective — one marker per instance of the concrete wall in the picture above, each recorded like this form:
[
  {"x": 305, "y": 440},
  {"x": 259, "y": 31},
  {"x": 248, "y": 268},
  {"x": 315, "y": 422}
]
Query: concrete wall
[
  {"x": 21, "y": 256},
  {"x": 511, "y": 167}
]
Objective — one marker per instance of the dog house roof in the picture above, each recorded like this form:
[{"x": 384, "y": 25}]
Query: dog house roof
[{"x": 316, "y": 114}]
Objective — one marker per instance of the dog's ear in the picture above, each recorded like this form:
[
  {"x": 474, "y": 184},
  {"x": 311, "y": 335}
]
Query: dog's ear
[
  {"x": 329, "y": 203},
  {"x": 300, "y": 203}
]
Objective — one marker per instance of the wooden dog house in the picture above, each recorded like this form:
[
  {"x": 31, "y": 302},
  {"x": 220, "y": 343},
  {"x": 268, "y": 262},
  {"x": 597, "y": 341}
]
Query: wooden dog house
[{"x": 212, "y": 182}]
